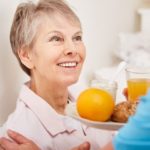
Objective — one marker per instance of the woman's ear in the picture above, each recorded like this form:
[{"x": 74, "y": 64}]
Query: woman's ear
[{"x": 25, "y": 57}]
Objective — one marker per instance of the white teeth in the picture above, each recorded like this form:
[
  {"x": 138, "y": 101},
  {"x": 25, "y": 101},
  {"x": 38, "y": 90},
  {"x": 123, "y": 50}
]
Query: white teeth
[{"x": 68, "y": 64}]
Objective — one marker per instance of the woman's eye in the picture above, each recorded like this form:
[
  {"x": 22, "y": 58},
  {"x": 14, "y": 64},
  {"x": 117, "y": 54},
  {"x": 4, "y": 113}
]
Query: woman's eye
[
  {"x": 78, "y": 38},
  {"x": 56, "y": 39}
]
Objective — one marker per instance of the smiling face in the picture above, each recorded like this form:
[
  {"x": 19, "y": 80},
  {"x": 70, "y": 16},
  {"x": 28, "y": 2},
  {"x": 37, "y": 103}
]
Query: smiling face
[{"x": 58, "y": 52}]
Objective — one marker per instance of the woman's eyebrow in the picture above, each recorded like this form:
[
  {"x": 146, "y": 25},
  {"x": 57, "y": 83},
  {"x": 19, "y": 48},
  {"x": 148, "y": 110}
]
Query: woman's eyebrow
[
  {"x": 53, "y": 32},
  {"x": 58, "y": 32},
  {"x": 79, "y": 32}
]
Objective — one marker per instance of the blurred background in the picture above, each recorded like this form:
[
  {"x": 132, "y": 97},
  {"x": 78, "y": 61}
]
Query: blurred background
[{"x": 106, "y": 24}]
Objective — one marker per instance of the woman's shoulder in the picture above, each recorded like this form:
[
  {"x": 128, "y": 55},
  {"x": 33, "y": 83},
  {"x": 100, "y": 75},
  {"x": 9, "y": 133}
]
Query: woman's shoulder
[
  {"x": 22, "y": 119},
  {"x": 25, "y": 122}
]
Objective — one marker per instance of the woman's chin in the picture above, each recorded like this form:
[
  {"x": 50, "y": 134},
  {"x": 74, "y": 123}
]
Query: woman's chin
[{"x": 70, "y": 82}]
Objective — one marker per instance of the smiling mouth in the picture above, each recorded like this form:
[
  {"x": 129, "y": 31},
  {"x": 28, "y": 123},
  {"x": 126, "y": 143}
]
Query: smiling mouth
[{"x": 68, "y": 64}]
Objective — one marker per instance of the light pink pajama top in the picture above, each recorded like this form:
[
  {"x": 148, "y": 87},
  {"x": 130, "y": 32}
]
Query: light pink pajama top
[{"x": 37, "y": 120}]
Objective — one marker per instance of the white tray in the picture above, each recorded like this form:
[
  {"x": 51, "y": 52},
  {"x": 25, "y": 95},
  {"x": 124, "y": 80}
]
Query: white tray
[{"x": 109, "y": 125}]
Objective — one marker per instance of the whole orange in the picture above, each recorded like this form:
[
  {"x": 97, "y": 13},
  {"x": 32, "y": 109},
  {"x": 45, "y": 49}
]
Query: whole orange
[{"x": 95, "y": 104}]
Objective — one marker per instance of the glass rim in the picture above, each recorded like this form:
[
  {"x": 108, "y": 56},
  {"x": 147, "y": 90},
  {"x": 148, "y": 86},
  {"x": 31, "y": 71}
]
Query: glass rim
[{"x": 138, "y": 70}]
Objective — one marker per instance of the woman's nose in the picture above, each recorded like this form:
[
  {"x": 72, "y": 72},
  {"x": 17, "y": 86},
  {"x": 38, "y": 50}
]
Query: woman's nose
[{"x": 70, "y": 48}]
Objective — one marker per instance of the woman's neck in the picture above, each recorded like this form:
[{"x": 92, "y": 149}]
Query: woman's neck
[{"x": 54, "y": 95}]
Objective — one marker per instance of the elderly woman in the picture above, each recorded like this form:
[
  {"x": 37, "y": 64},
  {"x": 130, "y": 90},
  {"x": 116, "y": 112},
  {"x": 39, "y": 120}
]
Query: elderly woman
[{"x": 46, "y": 38}]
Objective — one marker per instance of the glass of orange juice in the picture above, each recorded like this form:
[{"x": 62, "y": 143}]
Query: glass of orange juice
[{"x": 138, "y": 82}]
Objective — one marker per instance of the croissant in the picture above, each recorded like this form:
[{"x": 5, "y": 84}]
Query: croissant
[{"x": 123, "y": 111}]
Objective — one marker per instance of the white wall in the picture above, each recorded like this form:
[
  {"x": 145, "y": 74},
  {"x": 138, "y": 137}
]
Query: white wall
[{"x": 102, "y": 21}]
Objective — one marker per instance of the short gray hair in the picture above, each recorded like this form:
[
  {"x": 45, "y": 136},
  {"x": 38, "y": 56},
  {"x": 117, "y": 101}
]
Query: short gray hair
[{"x": 26, "y": 22}]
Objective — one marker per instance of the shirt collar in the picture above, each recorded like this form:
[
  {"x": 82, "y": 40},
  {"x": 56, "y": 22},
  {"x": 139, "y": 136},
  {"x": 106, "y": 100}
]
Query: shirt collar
[{"x": 48, "y": 117}]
